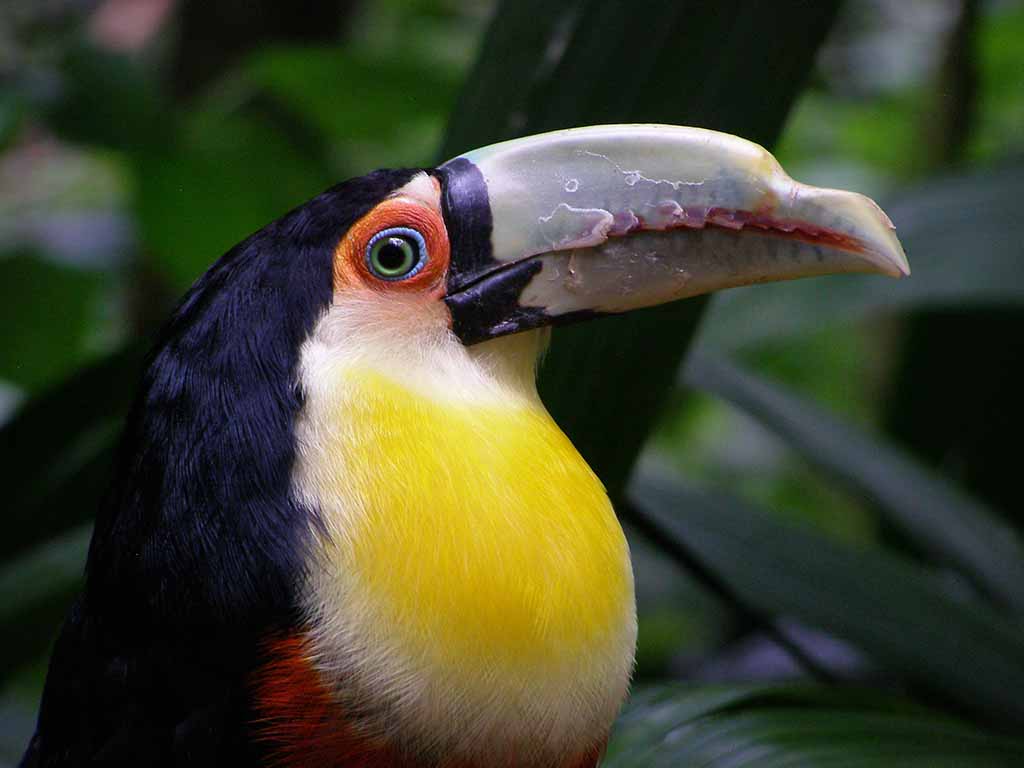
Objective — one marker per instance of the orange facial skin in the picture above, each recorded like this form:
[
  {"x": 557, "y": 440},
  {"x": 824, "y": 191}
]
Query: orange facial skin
[
  {"x": 303, "y": 725},
  {"x": 350, "y": 267}
]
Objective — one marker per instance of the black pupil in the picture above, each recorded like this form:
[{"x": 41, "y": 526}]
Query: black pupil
[{"x": 392, "y": 256}]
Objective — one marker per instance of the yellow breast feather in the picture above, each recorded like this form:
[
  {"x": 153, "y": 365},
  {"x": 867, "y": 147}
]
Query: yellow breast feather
[
  {"x": 469, "y": 586},
  {"x": 483, "y": 535}
]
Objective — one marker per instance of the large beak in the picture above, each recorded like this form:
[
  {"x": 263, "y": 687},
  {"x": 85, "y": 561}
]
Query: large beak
[{"x": 553, "y": 228}]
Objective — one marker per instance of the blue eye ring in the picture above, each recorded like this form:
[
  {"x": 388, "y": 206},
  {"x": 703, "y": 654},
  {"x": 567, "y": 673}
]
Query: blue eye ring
[{"x": 396, "y": 253}]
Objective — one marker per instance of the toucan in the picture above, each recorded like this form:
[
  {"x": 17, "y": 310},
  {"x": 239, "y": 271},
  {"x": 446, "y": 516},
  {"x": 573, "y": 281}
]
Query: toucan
[{"x": 342, "y": 530}]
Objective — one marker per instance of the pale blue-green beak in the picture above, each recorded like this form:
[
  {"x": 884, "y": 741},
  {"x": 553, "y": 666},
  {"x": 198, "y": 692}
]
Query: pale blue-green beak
[{"x": 564, "y": 225}]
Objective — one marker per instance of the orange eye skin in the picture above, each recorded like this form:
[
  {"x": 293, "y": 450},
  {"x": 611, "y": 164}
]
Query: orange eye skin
[{"x": 351, "y": 269}]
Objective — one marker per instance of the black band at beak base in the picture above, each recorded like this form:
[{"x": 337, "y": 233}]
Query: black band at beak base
[
  {"x": 467, "y": 215},
  {"x": 490, "y": 307}
]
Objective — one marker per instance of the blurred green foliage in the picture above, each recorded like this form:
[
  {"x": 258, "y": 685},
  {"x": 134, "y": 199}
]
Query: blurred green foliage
[{"x": 122, "y": 179}]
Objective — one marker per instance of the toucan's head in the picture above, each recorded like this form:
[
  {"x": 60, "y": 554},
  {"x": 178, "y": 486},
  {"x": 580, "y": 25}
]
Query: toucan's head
[{"x": 573, "y": 224}]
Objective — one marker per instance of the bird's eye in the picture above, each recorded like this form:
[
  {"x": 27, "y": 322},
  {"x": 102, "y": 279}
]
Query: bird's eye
[{"x": 396, "y": 254}]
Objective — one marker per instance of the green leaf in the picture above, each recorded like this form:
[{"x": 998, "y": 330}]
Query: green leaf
[
  {"x": 56, "y": 450},
  {"x": 349, "y": 95},
  {"x": 948, "y": 524},
  {"x": 12, "y": 114},
  {"x": 226, "y": 177},
  {"x": 577, "y": 63},
  {"x": 1000, "y": 58},
  {"x": 17, "y": 723},
  {"x": 45, "y": 310},
  {"x": 35, "y": 592},
  {"x": 651, "y": 714},
  {"x": 110, "y": 100},
  {"x": 774, "y": 726},
  {"x": 492, "y": 106},
  {"x": 889, "y": 609},
  {"x": 964, "y": 236}
]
